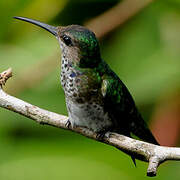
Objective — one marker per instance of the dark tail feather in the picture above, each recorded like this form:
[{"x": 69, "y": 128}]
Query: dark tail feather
[
  {"x": 134, "y": 160},
  {"x": 132, "y": 157},
  {"x": 146, "y": 135},
  {"x": 142, "y": 131}
]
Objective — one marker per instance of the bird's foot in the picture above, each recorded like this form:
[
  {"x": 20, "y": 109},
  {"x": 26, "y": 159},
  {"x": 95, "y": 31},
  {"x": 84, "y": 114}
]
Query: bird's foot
[
  {"x": 107, "y": 134},
  {"x": 68, "y": 123},
  {"x": 102, "y": 134}
]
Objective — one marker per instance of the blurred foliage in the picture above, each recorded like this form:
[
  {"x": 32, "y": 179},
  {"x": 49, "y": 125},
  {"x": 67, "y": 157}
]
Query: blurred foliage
[{"x": 144, "y": 52}]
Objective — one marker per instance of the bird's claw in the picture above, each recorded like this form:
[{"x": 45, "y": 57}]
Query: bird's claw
[
  {"x": 103, "y": 134},
  {"x": 100, "y": 135},
  {"x": 68, "y": 124}
]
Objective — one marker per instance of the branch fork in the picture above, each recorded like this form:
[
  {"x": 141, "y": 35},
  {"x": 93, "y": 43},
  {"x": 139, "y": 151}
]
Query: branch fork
[{"x": 153, "y": 154}]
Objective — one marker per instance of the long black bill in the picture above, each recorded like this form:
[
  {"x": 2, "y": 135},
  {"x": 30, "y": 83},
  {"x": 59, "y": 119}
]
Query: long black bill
[{"x": 51, "y": 29}]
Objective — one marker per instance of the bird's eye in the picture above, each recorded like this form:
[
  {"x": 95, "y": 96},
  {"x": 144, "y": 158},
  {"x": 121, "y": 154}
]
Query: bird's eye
[{"x": 67, "y": 40}]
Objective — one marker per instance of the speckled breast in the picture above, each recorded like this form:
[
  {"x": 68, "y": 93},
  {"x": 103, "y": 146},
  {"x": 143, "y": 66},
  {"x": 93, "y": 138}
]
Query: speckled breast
[{"x": 84, "y": 99}]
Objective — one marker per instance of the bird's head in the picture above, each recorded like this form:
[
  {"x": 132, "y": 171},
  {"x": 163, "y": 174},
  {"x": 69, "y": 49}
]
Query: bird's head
[{"x": 78, "y": 44}]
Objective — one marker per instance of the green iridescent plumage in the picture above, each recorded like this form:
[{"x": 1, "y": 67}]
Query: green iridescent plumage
[{"x": 118, "y": 102}]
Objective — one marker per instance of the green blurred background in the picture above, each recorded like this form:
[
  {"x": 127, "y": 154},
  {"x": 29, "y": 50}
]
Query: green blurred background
[{"x": 144, "y": 51}]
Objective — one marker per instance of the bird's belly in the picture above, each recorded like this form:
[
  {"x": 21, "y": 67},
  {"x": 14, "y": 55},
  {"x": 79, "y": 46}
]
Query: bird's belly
[{"x": 88, "y": 115}]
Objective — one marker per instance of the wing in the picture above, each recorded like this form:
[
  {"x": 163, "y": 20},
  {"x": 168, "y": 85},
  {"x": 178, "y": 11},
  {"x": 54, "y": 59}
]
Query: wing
[{"x": 121, "y": 108}]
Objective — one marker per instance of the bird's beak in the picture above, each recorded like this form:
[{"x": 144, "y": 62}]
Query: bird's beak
[{"x": 51, "y": 29}]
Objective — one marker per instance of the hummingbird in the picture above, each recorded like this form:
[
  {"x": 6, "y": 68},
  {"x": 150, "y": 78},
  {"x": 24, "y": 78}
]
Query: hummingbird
[{"x": 95, "y": 96}]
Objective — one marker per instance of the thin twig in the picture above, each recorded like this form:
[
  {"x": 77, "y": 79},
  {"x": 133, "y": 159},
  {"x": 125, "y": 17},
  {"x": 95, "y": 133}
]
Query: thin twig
[
  {"x": 116, "y": 16},
  {"x": 148, "y": 152}
]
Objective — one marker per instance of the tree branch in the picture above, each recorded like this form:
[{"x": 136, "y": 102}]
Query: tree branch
[{"x": 151, "y": 153}]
